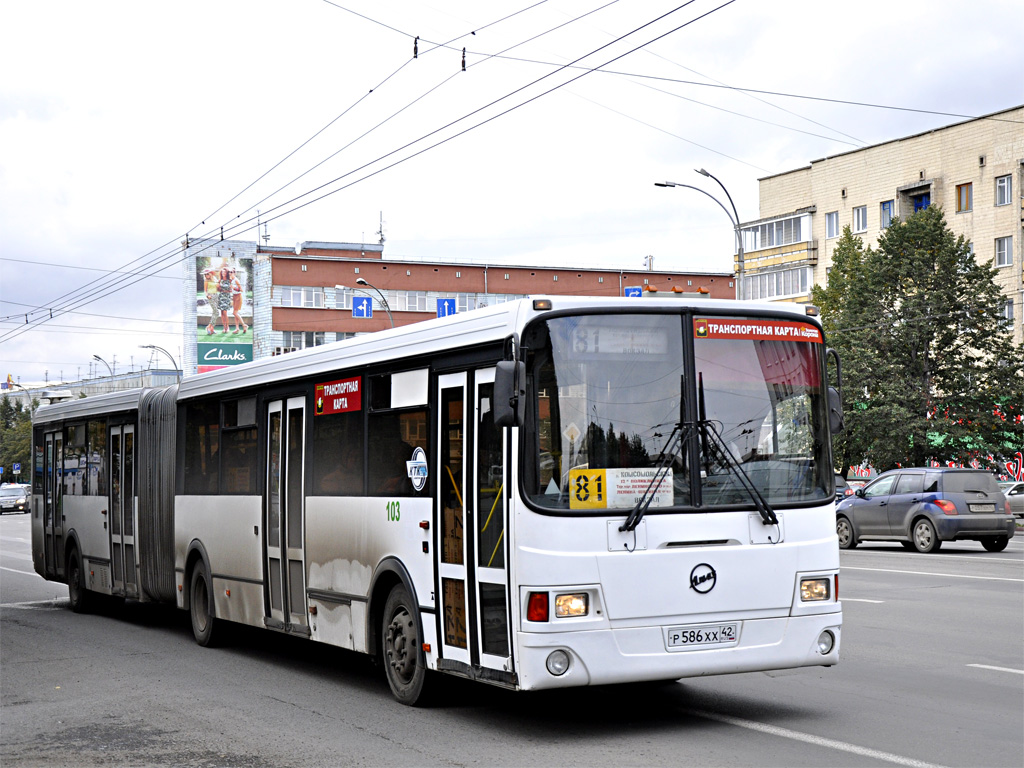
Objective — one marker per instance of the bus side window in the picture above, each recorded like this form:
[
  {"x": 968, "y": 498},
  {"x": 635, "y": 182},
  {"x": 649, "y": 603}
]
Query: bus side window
[
  {"x": 393, "y": 438},
  {"x": 338, "y": 454}
]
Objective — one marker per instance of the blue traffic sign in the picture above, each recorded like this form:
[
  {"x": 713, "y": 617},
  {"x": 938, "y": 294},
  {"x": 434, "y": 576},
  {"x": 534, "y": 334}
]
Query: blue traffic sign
[
  {"x": 633, "y": 290},
  {"x": 362, "y": 307},
  {"x": 16, "y": 468},
  {"x": 445, "y": 307}
]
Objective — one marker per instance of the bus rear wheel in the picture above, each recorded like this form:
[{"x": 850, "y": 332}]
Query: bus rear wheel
[
  {"x": 400, "y": 640},
  {"x": 81, "y": 601},
  {"x": 204, "y": 624}
]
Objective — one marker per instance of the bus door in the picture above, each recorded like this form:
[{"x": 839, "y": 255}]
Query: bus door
[
  {"x": 53, "y": 504},
  {"x": 283, "y": 505},
  {"x": 491, "y": 580},
  {"x": 472, "y": 573},
  {"x": 121, "y": 510}
]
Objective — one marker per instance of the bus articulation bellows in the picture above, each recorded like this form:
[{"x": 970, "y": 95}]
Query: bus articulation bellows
[{"x": 549, "y": 492}]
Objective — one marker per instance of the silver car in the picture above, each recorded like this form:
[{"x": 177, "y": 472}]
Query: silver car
[
  {"x": 15, "y": 497},
  {"x": 1014, "y": 493}
]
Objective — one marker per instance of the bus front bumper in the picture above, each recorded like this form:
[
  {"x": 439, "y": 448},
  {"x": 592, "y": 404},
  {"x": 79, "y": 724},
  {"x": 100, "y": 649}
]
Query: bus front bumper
[{"x": 609, "y": 656}]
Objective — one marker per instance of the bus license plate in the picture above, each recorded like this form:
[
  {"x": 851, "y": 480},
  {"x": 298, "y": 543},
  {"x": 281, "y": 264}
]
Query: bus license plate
[{"x": 702, "y": 636}]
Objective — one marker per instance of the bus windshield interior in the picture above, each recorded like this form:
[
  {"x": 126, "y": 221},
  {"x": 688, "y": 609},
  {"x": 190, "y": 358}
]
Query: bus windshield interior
[{"x": 617, "y": 413}]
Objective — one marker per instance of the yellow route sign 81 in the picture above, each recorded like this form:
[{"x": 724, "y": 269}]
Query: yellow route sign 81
[{"x": 618, "y": 488}]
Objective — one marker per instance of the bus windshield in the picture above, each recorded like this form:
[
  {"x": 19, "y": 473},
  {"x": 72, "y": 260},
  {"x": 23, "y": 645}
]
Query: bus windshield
[{"x": 618, "y": 416}]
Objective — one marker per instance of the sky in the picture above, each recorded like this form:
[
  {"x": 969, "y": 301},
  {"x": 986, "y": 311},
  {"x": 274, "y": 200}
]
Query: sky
[{"x": 125, "y": 126}]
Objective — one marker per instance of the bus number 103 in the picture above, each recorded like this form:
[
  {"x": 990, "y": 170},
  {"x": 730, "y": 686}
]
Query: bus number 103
[{"x": 394, "y": 512}]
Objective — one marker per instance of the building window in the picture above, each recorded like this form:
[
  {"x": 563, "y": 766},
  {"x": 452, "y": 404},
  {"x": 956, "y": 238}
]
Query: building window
[
  {"x": 1007, "y": 312},
  {"x": 964, "y": 197},
  {"x": 832, "y": 224},
  {"x": 888, "y": 210},
  {"x": 776, "y": 285},
  {"x": 922, "y": 201},
  {"x": 292, "y": 296},
  {"x": 782, "y": 232},
  {"x": 301, "y": 339},
  {"x": 1004, "y": 190},
  {"x": 860, "y": 219},
  {"x": 1004, "y": 251}
]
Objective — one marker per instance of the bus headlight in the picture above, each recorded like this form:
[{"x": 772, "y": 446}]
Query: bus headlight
[
  {"x": 571, "y": 605},
  {"x": 558, "y": 662},
  {"x": 814, "y": 589}
]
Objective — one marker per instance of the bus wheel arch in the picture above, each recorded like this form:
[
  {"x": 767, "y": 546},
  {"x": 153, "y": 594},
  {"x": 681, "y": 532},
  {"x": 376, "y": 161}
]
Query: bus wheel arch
[{"x": 395, "y": 633}]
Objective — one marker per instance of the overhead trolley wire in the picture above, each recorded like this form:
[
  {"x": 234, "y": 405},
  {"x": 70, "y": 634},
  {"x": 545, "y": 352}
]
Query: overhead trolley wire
[
  {"x": 71, "y": 297},
  {"x": 246, "y": 225}
]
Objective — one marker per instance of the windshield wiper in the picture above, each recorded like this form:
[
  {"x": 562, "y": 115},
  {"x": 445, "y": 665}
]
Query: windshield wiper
[
  {"x": 664, "y": 460},
  {"x": 726, "y": 459}
]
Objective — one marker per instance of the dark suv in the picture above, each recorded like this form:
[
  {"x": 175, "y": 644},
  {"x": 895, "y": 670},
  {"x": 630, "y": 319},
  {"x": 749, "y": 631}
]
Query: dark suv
[{"x": 922, "y": 507}]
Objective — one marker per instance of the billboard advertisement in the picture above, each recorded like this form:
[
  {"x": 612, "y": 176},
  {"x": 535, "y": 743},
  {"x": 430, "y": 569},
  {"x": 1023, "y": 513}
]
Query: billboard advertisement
[{"x": 223, "y": 310}]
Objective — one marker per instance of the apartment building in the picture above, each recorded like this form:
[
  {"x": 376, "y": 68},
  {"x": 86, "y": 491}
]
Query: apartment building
[
  {"x": 973, "y": 169},
  {"x": 244, "y": 301}
]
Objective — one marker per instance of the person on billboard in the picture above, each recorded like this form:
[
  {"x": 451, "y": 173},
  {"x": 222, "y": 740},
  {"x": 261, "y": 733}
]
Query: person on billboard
[
  {"x": 223, "y": 298},
  {"x": 236, "y": 301},
  {"x": 211, "y": 277}
]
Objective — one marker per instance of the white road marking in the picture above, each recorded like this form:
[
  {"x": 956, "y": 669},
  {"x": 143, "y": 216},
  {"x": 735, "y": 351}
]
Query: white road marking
[
  {"x": 998, "y": 669},
  {"x": 15, "y": 570},
  {"x": 54, "y": 603},
  {"x": 786, "y": 733},
  {"x": 927, "y": 573},
  {"x": 859, "y": 600},
  {"x": 943, "y": 557}
]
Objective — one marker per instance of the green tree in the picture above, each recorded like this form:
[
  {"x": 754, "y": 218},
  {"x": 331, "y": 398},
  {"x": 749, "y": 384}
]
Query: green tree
[
  {"x": 15, "y": 439},
  {"x": 930, "y": 370}
]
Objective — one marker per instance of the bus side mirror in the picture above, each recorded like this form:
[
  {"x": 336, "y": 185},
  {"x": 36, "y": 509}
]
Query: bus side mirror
[
  {"x": 509, "y": 393},
  {"x": 836, "y": 423}
]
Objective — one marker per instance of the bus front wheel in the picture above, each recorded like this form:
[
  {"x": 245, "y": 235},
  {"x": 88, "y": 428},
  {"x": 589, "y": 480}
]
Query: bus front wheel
[
  {"x": 400, "y": 639},
  {"x": 204, "y": 624}
]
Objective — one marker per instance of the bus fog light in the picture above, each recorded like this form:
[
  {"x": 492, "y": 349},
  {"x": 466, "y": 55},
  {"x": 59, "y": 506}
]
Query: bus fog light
[
  {"x": 558, "y": 663},
  {"x": 571, "y": 605},
  {"x": 826, "y": 642},
  {"x": 814, "y": 589}
]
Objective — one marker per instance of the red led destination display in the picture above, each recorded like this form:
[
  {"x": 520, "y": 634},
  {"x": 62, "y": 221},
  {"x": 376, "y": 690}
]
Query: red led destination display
[
  {"x": 756, "y": 330},
  {"x": 339, "y": 396}
]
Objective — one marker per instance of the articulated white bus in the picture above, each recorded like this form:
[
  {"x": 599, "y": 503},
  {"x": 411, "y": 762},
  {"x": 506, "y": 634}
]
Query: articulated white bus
[{"x": 545, "y": 493}]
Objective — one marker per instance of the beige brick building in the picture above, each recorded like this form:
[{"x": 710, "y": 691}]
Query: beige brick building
[{"x": 973, "y": 169}]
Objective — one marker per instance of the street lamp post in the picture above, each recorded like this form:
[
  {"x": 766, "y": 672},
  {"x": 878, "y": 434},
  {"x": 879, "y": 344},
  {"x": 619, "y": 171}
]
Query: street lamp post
[
  {"x": 383, "y": 301},
  {"x": 733, "y": 215},
  {"x": 97, "y": 357},
  {"x": 177, "y": 370}
]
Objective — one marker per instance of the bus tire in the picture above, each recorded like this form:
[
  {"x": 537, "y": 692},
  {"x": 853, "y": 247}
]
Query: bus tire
[
  {"x": 204, "y": 624},
  {"x": 400, "y": 645},
  {"x": 79, "y": 596}
]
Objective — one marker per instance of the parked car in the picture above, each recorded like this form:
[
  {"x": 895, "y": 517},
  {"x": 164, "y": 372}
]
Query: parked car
[
  {"x": 1014, "y": 493},
  {"x": 922, "y": 507},
  {"x": 15, "y": 497}
]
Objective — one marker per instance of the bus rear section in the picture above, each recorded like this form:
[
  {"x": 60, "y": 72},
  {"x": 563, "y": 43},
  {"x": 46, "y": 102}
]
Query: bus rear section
[
  {"x": 676, "y": 485},
  {"x": 102, "y": 512}
]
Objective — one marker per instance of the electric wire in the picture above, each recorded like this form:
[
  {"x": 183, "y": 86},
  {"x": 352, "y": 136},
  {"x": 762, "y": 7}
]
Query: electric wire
[
  {"x": 246, "y": 224},
  {"x": 70, "y": 296},
  {"x": 422, "y": 96}
]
